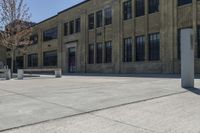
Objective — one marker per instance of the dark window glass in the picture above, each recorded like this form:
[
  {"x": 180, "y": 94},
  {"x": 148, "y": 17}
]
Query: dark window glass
[
  {"x": 66, "y": 29},
  {"x": 78, "y": 25},
  {"x": 91, "y": 21},
  {"x": 33, "y": 60},
  {"x": 71, "y": 26},
  {"x": 99, "y": 53},
  {"x": 99, "y": 19},
  {"x": 154, "y": 47},
  {"x": 91, "y": 54},
  {"x": 8, "y": 62},
  {"x": 108, "y": 16},
  {"x": 140, "y": 48},
  {"x": 153, "y": 6},
  {"x": 198, "y": 42},
  {"x": 50, "y": 34},
  {"x": 8, "y": 49},
  {"x": 108, "y": 52},
  {"x": 183, "y": 2},
  {"x": 127, "y": 50},
  {"x": 20, "y": 62},
  {"x": 34, "y": 39},
  {"x": 127, "y": 9},
  {"x": 139, "y": 7},
  {"x": 50, "y": 58},
  {"x": 179, "y": 44}
]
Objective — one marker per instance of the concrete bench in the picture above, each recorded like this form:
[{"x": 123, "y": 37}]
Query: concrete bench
[
  {"x": 6, "y": 73},
  {"x": 20, "y": 72}
]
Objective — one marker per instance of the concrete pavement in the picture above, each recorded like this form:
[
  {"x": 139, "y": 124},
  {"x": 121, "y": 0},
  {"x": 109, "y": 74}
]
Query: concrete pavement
[{"x": 92, "y": 104}]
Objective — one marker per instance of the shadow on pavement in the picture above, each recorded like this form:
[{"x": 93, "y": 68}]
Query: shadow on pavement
[{"x": 194, "y": 90}]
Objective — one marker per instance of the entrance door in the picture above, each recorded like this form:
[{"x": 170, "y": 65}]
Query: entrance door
[{"x": 72, "y": 60}]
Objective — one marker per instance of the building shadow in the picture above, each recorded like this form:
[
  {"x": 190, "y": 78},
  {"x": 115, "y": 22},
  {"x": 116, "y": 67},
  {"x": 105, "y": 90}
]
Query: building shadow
[{"x": 193, "y": 90}]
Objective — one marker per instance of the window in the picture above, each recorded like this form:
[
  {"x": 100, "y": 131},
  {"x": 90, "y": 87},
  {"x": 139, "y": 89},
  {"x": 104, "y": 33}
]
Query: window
[
  {"x": 71, "y": 26},
  {"x": 50, "y": 34},
  {"x": 179, "y": 44},
  {"x": 127, "y": 50},
  {"x": 34, "y": 39},
  {"x": 153, "y": 6},
  {"x": 139, "y": 7},
  {"x": 183, "y": 2},
  {"x": 91, "y": 54},
  {"x": 108, "y": 16},
  {"x": 108, "y": 52},
  {"x": 154, "y": 47},
  {"x": 140, "y": 48},
  {"x": 66, "y": 29},
  {"x": 78, "y": 25},
  {"x": 99, "y": 53},
  {"x": 198, "y": 42},
  {"x": 127, "y": 9},
  {"x": 99, "y": 19},
  {"x": 33, "y": 60},
  {"x": 91, "y": 21},
  {"x": 50, "y": 58}
]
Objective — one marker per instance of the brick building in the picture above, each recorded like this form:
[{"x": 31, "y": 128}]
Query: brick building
[{"x": 114, "y": 36}]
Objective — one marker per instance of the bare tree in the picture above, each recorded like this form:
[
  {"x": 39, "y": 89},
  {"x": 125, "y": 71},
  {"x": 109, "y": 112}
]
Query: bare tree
[{"x": 15, "y": 26}]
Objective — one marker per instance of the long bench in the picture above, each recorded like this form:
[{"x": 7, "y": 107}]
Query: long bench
[
  {"x": 20, "y": 72},
  {"x": 6, "y": 73}
]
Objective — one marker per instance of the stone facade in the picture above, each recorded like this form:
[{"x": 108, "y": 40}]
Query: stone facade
[{"x": 167, "y": 21}]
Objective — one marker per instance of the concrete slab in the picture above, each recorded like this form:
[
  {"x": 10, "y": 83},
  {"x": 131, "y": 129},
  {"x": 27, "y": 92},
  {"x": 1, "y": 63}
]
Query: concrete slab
[{"x": 40, "y": 99}]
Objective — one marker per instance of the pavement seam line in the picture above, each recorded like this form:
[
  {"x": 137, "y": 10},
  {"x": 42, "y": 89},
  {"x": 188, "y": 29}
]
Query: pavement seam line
[
  {"x": 124, "y": 123},
  {"x": 84, "y": 112}
]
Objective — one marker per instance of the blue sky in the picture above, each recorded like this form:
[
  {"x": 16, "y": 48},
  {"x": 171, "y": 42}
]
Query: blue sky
[{"x": 43, "y": 9}]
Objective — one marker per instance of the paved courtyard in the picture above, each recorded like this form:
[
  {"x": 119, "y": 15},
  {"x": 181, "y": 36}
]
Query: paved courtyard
[{"x": 99, "y": 104}]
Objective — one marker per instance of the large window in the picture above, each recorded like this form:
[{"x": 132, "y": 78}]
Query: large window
[
  {"x": 198, "y": 42},
  {"x": 99, "y": 19},
  {"x": 50, "y": 58},
  {"x": 71, "y": 27},
  {"x": 153, "y": 6},
  {"x": 34, "y": 39},
  {"x": 78, "y": 25},
  {"x": 108, "y": 16},
  {"x": 91, "y": 54},
  {"x": 33, "y": 60},
  {"x": 140, "y": 48},
  {"x": 108, "y": 52},
  {"x": 154, "y": 46},
  {"x": 139, "y": 8},
  {"x": 66, "y": 28},
  {"x": 50, "y": 34},
  {"x": 91, "y": 21},
  {"x": 127, "y": 50},
  {"x": 127, "y": 9},
  {"x": 183, "y": 2},
  {"x": 99, "y": 53}
]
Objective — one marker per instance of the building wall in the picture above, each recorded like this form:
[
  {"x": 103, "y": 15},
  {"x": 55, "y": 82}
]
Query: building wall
[
  {"x": 167, "y": 21},
  {"x": 2, "y": 56}
]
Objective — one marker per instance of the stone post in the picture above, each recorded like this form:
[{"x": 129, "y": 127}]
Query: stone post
[
  {"x": 187, "y": 58},
  {"x": 20, "y": 74}
]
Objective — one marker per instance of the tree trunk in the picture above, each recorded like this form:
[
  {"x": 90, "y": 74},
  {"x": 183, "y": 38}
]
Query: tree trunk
[{"x": 12, "y": 60}]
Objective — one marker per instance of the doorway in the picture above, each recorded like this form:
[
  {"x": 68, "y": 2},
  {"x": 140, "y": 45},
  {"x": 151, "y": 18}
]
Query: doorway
[{"x": 72, "y": 60}]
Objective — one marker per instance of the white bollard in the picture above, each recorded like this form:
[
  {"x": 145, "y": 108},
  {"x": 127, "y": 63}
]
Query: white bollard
[
  {"x": 58, "y": 73},
  {"x": 7, "y": 74},
  {"x": 20, "y": 74},
  {"x": 187, "y": 59}
]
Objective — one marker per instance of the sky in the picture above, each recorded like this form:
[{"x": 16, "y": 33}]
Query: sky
[{"x": 43, "y": 9}]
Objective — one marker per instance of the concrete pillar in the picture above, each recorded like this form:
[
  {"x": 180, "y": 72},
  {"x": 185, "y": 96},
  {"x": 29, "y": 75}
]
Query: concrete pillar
[
  {"x": 187, "y": 58},
  {"x": 20, "y": 74},
  {"x": 58, "y": 73},
  {"x": 7, "y": 74}
]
